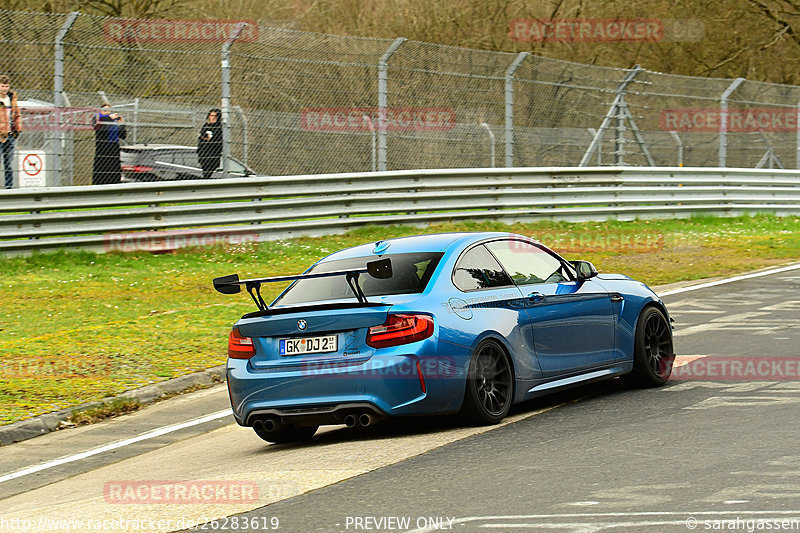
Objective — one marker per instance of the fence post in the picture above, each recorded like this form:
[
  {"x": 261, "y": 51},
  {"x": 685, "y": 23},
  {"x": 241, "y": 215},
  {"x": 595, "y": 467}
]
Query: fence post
[
  {"x": 509, "y": 134},
  {"x": 226, "y": 96},
  {"x": 797, "y": 141},
  {"x": 135, "y": 119},
  {"x": 723, "y": 120},
  {"x": 680, "y": 146},
  {"x": 619, "y": 134},
  {"x": 373, "y": 159},
  {"x": 613, "y": 112},
  {"x": 488, "y": 129},
  {"x": 58, "y": 95},
  {"x": 243, "y": 118},
  {"x": 383, "y": 78}
]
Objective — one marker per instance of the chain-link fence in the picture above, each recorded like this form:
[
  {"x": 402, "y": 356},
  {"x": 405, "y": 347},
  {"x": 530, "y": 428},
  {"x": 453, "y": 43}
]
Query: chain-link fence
[{"x": 305, "y": 103}]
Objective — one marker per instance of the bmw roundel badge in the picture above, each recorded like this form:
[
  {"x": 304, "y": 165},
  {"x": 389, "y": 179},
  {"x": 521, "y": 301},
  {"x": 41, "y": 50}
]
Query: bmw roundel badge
[{"x": 302, "y": 324}]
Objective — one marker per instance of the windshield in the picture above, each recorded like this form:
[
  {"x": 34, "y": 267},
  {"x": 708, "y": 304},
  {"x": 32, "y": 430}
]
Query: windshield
[{"x": 410, "y": 274}]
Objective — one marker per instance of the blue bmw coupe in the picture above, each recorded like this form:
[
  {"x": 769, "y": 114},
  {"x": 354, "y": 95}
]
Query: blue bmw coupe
[{"x": 436, "y": 324}]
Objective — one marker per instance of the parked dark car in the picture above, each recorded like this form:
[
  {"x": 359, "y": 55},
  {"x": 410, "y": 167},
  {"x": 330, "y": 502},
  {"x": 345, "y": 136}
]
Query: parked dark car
[{"x": 164, "y": 162}]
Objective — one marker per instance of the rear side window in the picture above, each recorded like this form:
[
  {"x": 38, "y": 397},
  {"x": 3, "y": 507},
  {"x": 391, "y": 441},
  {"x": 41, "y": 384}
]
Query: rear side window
[
  {"x": 478, "y": 269},
  {"x": 410, "y": 275},
  {"x": 528, "y": 264}
]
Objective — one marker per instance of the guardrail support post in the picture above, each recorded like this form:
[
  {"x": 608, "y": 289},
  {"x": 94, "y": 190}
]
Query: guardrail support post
[
  {"x": 383, "y": 80},
  {"x": 58, "y": 96},
  {"x": 509, "y": 92},
  {"x": 723, "y": 120},
  {"x": 226, "y": 97}
]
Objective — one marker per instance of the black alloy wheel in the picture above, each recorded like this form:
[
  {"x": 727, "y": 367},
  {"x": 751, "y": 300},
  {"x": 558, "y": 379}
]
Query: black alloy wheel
[
  {"x": 653, "y": 350},
  {"x": 490, "y": 387}
]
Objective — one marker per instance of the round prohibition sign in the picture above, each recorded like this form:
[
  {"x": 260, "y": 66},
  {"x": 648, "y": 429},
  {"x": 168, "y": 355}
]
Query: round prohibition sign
[{"x": 32, "y": 164}]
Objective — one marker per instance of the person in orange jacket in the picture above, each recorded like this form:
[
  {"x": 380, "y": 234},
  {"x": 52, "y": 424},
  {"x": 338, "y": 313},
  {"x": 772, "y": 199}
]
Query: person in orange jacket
[{"x": 10, "y": 126}]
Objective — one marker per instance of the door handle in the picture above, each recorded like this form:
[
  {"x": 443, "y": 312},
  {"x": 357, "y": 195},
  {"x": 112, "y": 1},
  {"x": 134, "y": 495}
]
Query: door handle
[
  {"x": 536, "y": 297},
  {"x": 616, "y": 298}
]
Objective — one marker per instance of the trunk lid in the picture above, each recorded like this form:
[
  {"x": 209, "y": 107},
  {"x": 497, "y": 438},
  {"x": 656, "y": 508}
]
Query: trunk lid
[{"x": 315, "y": 325}]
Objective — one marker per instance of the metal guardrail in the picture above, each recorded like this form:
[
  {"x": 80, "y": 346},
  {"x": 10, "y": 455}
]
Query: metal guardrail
[{"x": 107, "y": 217}]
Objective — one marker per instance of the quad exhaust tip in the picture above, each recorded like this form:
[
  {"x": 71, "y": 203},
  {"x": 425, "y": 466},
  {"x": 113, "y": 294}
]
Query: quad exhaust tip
[
  {"x": 360, "y": 419},
  {"x": 272, "y": 424},
  {"x": 267, "y": 424}
]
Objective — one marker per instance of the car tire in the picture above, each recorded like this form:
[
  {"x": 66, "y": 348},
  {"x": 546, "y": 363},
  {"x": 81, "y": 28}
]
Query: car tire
[
  {"x": 653, "y": 353},
  {"x": 490, "y": 385},
  {"x": 287, "y": 434}
]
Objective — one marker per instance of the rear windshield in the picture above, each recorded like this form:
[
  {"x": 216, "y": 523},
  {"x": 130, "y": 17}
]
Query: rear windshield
[{"x": 410, "y": 274}]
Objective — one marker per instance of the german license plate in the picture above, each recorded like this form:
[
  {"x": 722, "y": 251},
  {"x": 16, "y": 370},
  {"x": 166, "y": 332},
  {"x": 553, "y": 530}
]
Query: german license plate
[{"x": 306, "y": 345}]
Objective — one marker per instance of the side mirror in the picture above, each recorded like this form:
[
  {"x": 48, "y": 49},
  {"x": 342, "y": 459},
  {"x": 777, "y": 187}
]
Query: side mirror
[{"x": 584, "y": 269}]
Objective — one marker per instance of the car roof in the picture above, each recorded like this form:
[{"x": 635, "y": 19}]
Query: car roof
[{"x": 435, "y": 242}]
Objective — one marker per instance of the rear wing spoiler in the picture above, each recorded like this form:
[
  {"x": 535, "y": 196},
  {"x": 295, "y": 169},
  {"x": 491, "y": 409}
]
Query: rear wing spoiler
[{"x": 231, "y": 284}]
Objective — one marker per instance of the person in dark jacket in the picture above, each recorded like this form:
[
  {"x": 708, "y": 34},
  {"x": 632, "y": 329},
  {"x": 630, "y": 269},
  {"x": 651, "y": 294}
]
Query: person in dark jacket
[
  {"x": 209, "y": 144},
  {"x": 108, "y": 130}
]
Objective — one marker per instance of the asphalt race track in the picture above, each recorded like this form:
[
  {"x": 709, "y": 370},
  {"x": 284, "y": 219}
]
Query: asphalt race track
[{"x": 718, "y": 448}]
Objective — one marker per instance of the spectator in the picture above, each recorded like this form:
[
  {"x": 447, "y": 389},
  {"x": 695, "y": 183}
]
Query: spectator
[
  {"x": 209, "y": 145},
  {"x": 108, "y": 130},
  {"x": 10, "y": 126}
]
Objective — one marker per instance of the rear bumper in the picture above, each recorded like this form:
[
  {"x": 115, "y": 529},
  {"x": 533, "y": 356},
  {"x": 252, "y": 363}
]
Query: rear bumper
[
  {"x": 319, "y": 415},
  {"x": 383, "y": 384}
]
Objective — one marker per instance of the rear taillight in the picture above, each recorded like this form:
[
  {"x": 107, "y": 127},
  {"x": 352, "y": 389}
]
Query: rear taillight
[
  {"x": 400, "y": 329},
  {"x": 240, "y": 347},
  {"x": 136, "y": 168}
]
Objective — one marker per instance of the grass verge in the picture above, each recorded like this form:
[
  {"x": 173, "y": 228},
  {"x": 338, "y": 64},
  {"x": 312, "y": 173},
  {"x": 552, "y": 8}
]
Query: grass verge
[
  {"x": 115, "y": 407},
  {"x": 78, "y": 327}
]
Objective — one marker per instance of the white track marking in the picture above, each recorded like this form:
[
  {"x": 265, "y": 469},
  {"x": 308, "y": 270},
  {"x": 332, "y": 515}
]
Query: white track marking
[
  {"x": 114, "y": 445},
  {"x": 731, "y": 280},
  {"x": 220, "y": 414}
]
